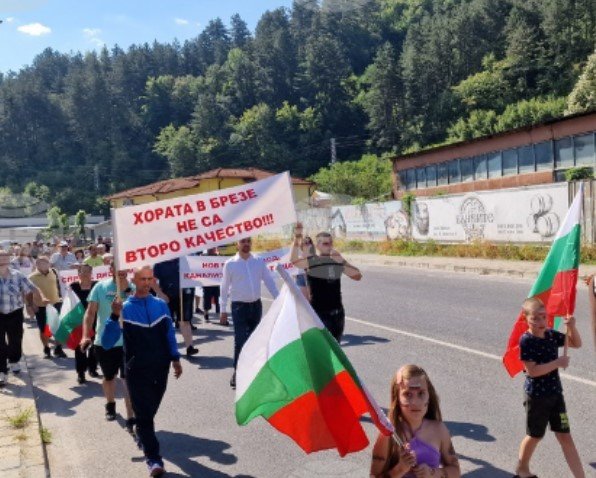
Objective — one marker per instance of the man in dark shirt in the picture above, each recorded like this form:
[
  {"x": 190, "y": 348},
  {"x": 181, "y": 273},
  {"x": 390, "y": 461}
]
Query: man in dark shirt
[
  {"x": 85, "y": 359},
  {"x": 179, "y": 302},
  {"x": 323, "y": 272}
]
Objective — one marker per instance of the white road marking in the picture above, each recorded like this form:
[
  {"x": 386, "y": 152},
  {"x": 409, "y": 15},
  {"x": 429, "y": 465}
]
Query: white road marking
[{"x": 450, "y": 345}]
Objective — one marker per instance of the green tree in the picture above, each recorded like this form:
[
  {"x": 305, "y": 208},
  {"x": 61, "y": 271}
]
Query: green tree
[
  {"x": 38, "y": 191},
  {"x": 178, "y": 146},
  {"x": 487, "y": 89},
  {"x": 583, "y": 96},
  {"x": 239, "y": 32},
  {"x": 383, "y": 99},
  {"x": 79, "y": 222},
  {"x": 368, "y": 178},
  {"x": 53, "y": 214}
]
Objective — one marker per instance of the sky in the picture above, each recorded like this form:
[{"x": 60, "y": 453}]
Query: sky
[{"x": 30, "y": 26}]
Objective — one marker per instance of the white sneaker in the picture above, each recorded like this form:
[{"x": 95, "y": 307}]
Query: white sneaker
[
  {"x": 2, "y": 379},
  {"x": 15, "y": 367}
]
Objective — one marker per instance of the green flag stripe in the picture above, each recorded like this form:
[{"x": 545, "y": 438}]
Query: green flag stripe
[
  {"x": 563, "y": 256},
  {"x": 304, "y": 365},
  {"x": 69, "y": 322}
]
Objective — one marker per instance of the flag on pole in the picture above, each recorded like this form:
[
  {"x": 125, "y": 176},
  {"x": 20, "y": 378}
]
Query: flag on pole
[
  {"x": 556, "y": 282},
  {"x": 293, "y": 373},
  {"x": 66, "y": 326}
]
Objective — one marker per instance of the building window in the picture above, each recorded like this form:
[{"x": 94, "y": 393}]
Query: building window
[
  {"x": 543, "y": 152},
  {"x": 495, "y": 165},
  {"x": 480, "y": 168},
  {"x": 442, "y": 174},
  {"x": 431, "y": 176},
  {"x": 509, "y": 162},
  {"x": 402, "y": 179},
  {"x": 564, "y": 153},
  {"x": 467, "y": 169},
  {"x": 584, "y": 149},
  {"x": 526, "y": 159},
  {"x": 421, "y": 177},
  {"x": 454, "y": 174},
  {"x": 411, "y": 179}
]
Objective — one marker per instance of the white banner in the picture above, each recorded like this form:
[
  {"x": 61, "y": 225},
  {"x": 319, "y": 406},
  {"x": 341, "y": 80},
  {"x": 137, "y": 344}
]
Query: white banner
[
  {"x": 530, "y": 214},
  {"x": 205, "y": 271},
  {"x": 162, "y": 230},
  {"x": 69, "y": 276}
]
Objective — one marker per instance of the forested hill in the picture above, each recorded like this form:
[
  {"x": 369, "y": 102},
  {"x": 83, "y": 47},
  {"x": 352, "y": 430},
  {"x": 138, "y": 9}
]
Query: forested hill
[{"x": 392, "y": 75}]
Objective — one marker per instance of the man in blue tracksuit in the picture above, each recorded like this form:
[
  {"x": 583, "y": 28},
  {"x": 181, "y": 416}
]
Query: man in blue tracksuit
[{"x": 149, "y": 348}]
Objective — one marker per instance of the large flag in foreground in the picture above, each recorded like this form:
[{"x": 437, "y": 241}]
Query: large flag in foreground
[
  {"x": 67, "y": 326},
  {"x": 293, "y": 373},
  {"x": 556, "y": 283}
]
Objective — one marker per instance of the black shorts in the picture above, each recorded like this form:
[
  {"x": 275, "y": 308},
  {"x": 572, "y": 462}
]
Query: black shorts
[
  {"x": 188, "y": 300},
  {"x": 546, "y": 410},
  {"x": 111, "y": 361}
]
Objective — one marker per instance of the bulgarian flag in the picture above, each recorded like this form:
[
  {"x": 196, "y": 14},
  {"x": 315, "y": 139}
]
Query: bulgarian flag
[
  {"x": 66, "y": 326},
  {"x": 556, "y": 283},
  {"x": 293, "y": 373}
]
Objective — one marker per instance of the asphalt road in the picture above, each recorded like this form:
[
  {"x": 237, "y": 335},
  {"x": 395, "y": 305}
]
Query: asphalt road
[{"x": 454, "y": 325}]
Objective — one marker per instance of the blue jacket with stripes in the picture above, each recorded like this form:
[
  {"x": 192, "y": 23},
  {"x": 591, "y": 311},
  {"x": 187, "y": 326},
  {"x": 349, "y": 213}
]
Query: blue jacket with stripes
[{"x": 149, "y": 337}]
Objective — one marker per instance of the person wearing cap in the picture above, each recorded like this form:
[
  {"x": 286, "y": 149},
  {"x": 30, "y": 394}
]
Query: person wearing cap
[
  {"x": 64, "y": 259},
  {"x": 107, "y": 258}
]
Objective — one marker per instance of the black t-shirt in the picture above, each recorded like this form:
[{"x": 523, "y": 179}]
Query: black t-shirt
[
  {"x": 324, "y": 280},
  {"x": 82, "y": 294},
  {"x": 541, "y": 351}
]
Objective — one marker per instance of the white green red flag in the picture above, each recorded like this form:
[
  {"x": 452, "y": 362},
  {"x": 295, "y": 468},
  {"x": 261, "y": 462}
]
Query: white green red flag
[
  {"x": 293, "y": 373},
  {"x": 556, "y": 282},
  {"x": 66, "y": 326}
]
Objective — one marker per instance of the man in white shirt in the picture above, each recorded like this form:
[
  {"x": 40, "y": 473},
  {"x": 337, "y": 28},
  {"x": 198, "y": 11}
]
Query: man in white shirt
[
  {"x": 64, "y": 259},
  {"x": 242, "y": 276}
]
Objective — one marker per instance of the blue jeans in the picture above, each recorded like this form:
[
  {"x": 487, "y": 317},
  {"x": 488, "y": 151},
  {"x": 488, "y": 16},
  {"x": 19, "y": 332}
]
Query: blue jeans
[{"x": 246, "y": 317}]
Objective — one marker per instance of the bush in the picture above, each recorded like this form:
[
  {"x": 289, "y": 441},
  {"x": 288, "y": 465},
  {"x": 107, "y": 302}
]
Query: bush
[{"x": 579, "y": 173}]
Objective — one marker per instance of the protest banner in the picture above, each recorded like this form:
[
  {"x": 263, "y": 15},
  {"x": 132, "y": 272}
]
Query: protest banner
[
  {"x": 201, "y": 271},
  {"x": 278, "y": 256},
  {"x": 69, "y": 276},
  {"x": 162, "y": 230},
  {"x": 205, "y": 271}
]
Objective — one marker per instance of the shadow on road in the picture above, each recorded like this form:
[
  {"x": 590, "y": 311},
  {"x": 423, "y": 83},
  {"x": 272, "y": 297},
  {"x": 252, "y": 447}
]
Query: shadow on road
[
  {"x": 486, "y": 470},
  {"x": 471, "y": 431},
  {"x": 350, "y": 340},
  {"x": 49, "y": 403},
  {"x": 181, "y": 450},
  {"x": 217, "y": 362},
  {"x": 204, "y": 336}
]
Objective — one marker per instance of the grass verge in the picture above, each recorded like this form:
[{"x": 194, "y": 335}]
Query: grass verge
[
  {"x": 21, "y": 419},
  {"x": 478, "y": 250}
]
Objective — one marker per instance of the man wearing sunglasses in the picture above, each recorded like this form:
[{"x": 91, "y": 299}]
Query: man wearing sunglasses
[
  {"x": 241, "y": 282},
  {"x": 324, "y": 272}
]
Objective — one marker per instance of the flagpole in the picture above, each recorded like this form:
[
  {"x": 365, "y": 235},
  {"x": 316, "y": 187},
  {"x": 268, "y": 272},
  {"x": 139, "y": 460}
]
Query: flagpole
[
  {"x": 115, "y": 260},
  {"x": 181, "y": 308},
  {"x": 398, "y": 441}
]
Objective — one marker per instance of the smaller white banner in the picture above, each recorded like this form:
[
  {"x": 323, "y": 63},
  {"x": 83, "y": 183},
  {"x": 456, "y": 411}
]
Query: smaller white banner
[
  {"x": 69, "y": 276},
  {"x": 205, "y": 271}
]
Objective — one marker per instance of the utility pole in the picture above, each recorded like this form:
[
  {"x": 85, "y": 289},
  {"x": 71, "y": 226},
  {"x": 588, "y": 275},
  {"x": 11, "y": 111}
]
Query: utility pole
[
  {"x": 96, "y": 177},
  {"x": 333, "y": 151}
]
